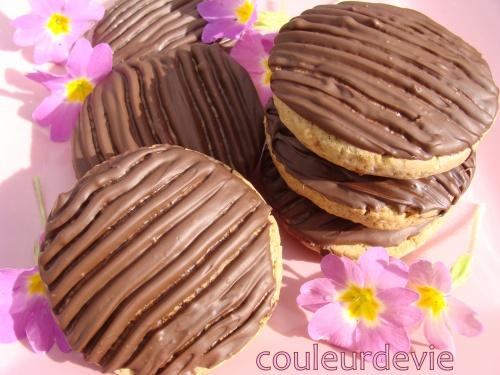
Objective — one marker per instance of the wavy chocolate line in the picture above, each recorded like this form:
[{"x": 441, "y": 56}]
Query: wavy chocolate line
[
  {"x": 435, "y": 193},
  {"x": 159, "y": 261},
  {"x": 309, "y": 223},
  {"x": 385, "y": 79},
  {"x": 139, "y": 28},
  {"x": 197, "y": 97}
]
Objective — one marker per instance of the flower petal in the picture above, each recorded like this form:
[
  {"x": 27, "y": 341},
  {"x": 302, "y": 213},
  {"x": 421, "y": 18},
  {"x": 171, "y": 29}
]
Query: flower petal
[
  {"x": 84, "y": 10},
  {"x": 79, "y": 58},
  {"x": 222, "y": 29},
  {"x": 395, "y": 336},
  {"x": 372, "y": 264},
  {"x": 64, "y": 121},
  {"x": 29, "y": 30},
  {"x": 341, "y": 271},
  {"x": 316, "y": 293},
  {"x": 61, "y": 341},
  {"x": 8, "y": 332},
  {"x": 45, "y": 8},
  {"x": 213, "y": 10},
  {"x": 437, "y": 332},
  {"x": 47, "y": 50},
  {"x": 395, "y": 275},
  {"x": 329, "y": 323},
  {"x": 441, "y": 278},
  {"x": 398, "y": 307},
  {"x": 100, "y": 63},
  {"x": 50, "y": 81},
  {"x": 462, "y": 318},
  {"x": 40, "y": 326},
  {"x": 436, "y": 275},
  {"x": 249, "y": 52},
  {"x": 264, "y": 92},
  {"x": 420, "y": 273},
  {"x": 368, "y": 339},
  {"x": 42, "y": 114}
]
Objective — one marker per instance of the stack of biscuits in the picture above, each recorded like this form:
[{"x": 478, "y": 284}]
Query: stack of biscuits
[{"x": 372, "y": 129}]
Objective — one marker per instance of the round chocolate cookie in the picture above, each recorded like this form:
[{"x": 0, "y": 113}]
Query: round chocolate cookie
[
  {"x": 196, "y": 97},
  {"x": 376, "y": 202},
  {"x": 381, "y": 90},
  {"x": 161, "y": 261},
  {"x": 138, "y": 28},
  {"x": 326, "y": 233}
]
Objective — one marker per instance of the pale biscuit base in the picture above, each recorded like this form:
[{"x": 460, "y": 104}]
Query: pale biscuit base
[
  {"x": 361, "y": 161},
  {"x": 355, "y": 251},
  {"x": 385, "y": 218},
  {"x": 277, "y": 264}
]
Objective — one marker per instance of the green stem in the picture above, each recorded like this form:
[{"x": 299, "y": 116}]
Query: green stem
[
  {"x": 40, "y": 200},
  {"x": 476, "y": 224}
]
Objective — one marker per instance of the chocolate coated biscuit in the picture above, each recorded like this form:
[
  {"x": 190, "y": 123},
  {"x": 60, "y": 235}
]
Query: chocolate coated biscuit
[
  {"x": 161, "y": 261},
  {"x": 139, "y": 28},
  {"x": 381, "y": 90},
  {"x": 197, "y": 97}
]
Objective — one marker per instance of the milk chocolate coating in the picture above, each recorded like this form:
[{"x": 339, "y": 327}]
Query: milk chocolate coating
[
  {"x": 197, "y": 97},
  {"x": 138, "y": 28},
  {"x": 309, "y": 223},
  {"x": 385, "y": 79},
  {"x": 159, "y": 261},
  {"x": 347, "y": 188}
]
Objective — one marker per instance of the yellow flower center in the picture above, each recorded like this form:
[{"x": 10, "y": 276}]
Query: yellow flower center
[
  {"x": 431, "y": 299},
  {"x": 245, "y": 11},
  {"x": 78, "y": 89},
  {"x": 59, "y": 24},
  {"x": 267, "y": 75},
  {"x": 361, "y": 303},
  {"x": 35, "y": 285}
]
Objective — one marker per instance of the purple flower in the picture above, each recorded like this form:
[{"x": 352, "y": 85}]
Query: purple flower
[
  {"x": 86, "y": 67},
  {"x": 252, "y": 52},
  {"x": 227, "y": 18},
  {"x": 361, "y": 305},
  {"x": 25, "y": 311},
  {"x": 443, "y": 313},
  {"x": 54, "y": 26}
]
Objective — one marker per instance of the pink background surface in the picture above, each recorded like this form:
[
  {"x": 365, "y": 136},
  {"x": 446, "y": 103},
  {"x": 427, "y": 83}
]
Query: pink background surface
[{"x": 26, "y": 151}]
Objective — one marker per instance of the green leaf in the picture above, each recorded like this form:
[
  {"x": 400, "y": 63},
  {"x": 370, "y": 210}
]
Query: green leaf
[
  {"x": 460, "y": 271},
  {"x": 271, "y": 21}
]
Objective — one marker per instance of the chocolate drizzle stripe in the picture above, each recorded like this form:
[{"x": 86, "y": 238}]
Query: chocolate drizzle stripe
[
  {"x": 347, "y": 49},
  {"x": 148, "y": 27},
  {"x": 87, "y": 214},
  {"x": 179, "y": 363},
  {"x": 169, "y": 245},
  {"x": 393, "y": 125},
  {"x": 402, "y": 36},
  {"x": 135, "y": 301},
  {"x": 315, "y": 227},
  {"x": 447, "y": 46},
  {"x": 160, "y": 200},
  {"x": 205, "y": 115},
  {"x": 191, "y": 316},
  {"x": 226, "y": 78},
  {"x": 164, "y": 128},
  {"x": 71, "y": 203},
  {"x": 467, "y": 106},
  {"x": 139, "y": 110},
  {"x": 145, "y": 241},
  {"x": 432, "y": 194},
  {"x": 195, "y": 97}
]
